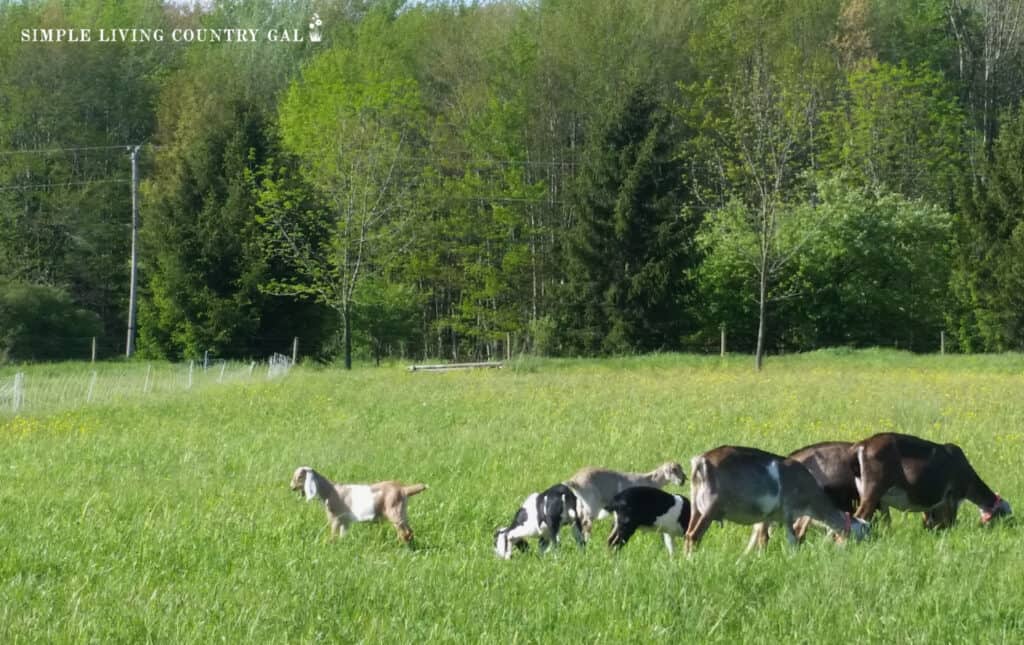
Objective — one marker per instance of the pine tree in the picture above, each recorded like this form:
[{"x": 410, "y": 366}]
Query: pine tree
[
  {"x": 628, "y": 255},
  {"x": 988, "y": 281}
]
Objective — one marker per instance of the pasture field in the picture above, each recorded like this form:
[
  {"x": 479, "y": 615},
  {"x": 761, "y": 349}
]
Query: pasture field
[{"x": 167, "y": 518}]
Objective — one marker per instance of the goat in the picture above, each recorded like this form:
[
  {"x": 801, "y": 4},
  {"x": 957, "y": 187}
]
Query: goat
[
  {"x": 644, "y": 507},
  {"x": 750, "y": 486},
  {"x": 829, "y": 463},
  {"x": 541, "y": 515},
  {"x": 595, "y": 487},
  {"x": 914, "y": 474},
  {"x": 348, "y": 503}
]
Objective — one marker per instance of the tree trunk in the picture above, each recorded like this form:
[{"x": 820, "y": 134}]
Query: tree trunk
[
  {"x": 762, "y": 307},
  {"x": 347, "y": 324}
]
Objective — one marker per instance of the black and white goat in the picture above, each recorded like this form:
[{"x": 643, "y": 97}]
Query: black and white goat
[
  {"x": 541, "y": 515},
  {"x": 648, "y": 508}
]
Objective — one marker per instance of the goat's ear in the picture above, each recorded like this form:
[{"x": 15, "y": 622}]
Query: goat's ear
[{"x": 309, "y": 486}]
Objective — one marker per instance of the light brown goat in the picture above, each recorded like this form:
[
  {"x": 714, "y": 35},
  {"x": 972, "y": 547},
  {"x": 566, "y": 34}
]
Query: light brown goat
[
  {"x": 348, "y": 503},
  {"x": 750, "y": 486}
]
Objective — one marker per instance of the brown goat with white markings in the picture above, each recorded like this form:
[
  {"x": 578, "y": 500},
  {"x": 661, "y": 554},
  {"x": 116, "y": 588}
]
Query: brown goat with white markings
[
  {"x": 914, "y": 474},
  {"x": 750, "y": 486}
]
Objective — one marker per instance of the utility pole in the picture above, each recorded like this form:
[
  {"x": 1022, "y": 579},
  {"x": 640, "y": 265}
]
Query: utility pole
[{"x": 130, "y": 348}]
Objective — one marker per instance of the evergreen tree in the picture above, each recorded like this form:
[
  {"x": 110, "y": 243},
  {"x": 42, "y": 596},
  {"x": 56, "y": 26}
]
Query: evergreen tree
[
  {"x": 628, "y": 255},
  {"x": 988, "y": 280}
]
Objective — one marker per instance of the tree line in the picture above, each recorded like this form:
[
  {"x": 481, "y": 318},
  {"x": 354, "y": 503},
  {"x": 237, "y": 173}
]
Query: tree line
[{"x": 562, "y": 177}]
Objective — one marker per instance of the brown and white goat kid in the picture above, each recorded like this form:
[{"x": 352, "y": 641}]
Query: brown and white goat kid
[
  {"x": 914, "y": 474},
  {"x": 750, "y": 486},
  {"x": 348, "y": 503}
]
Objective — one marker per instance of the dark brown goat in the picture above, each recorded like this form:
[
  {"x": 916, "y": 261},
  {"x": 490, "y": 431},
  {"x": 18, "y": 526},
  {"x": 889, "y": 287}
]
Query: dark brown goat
[{"x": 914, "y": 474}]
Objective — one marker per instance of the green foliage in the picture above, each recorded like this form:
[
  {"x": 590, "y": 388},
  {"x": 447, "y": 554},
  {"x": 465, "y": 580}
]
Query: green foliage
[
  {"x": 458, "y": 159},
  {"x": 67, "y": 111},
  {"x": 354, "y": 122},
  {"x": 875, "y": 274},
  {"x": 630, "y": 250},
  {"x": 864, "y": 268},
  {"x": 39, "y": 323},
  {"x": 731, "y": 243},
  {"x": 386, "y": 316},
  {"x": 900, "y": 129},
  {"x": 202, "y": 259},
  {"x": 990, "y": 248}
]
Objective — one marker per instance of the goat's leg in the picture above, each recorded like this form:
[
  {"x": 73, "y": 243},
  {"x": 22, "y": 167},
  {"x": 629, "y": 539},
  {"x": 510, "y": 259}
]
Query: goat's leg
[
  {"x": 942, "y": 516},
  {"x": 556, "y": 527},
  {"x": 698, "y": 525},
  {"x": 586, "y": 525},
  {"x": 577, "y": 532},
  {"x": 621, "y": 534},
  {"x": 880, "y": 470},
  {"x": 542, "y": 544},
  {"x": 791, "y": 536},
  {"x": 667, "y": 539},
  {"x": 869, "y": 502},
  {"x": 758, "y": 537},
  {"x": 800, "y": 527}
]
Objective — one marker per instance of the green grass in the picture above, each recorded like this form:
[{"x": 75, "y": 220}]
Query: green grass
[{"x": 168, "y": 518}]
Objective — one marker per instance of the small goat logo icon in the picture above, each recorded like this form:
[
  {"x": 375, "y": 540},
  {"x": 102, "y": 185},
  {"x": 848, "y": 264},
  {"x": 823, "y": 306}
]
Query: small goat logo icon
[{"x": 315, "y": 35}]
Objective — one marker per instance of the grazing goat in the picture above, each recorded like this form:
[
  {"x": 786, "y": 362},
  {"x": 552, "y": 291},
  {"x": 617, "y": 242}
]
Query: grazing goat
[
  {"x": 541, "y": 515},
  {"x": 750, "y": 486},
  {"x": 348, "y": 503},
  {"x": 644, "y": 507},
  {"x": 829, "y": 463},
  {"x": 914, "y": 474},
  {"x": 595, "y": 487}
]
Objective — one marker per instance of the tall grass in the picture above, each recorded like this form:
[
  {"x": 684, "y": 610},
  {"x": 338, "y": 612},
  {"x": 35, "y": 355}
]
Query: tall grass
[{"x": 169, "y": 519}]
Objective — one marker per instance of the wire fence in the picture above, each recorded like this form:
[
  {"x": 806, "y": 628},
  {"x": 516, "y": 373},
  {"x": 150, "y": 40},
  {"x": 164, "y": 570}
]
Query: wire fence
[{"x": 42, "y": 389}]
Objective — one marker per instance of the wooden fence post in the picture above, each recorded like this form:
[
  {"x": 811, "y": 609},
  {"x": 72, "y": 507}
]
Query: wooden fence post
[
  {"x": 93, "y": 350},
  {"x": 295, "y": 349},
  {"x": 722, "y": 329},
  {"x": 942, "y": 342},
  {"x": 92, "y": 386}
]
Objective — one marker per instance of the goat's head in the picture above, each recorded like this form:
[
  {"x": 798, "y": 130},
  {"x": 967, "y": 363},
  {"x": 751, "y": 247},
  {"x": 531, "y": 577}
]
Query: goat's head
[
  {"x": 671, "y": 473},
  {"x": 502, "y": 547},
  {"x": 503, "y": 544},
  {"x": 859, "y": 529},
  {"x": 1000, "y": 508},
  {"x": 304, "y": 480}
]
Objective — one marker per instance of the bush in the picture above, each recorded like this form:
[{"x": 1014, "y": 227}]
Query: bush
[{"x": 39, "y": 323}]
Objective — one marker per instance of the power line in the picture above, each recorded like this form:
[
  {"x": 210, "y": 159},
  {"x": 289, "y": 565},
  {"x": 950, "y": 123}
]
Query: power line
[
  {"x": 39, "y": 151},
  {"x": 62, "y": 184}
]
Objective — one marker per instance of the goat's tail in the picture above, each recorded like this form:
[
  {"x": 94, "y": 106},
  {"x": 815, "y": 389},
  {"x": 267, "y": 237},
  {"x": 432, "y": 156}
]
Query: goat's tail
[
  {"x": 414, "y": 489},
  {"x": 569, "y": 503},
  {"x": 698, "y": 471}
]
